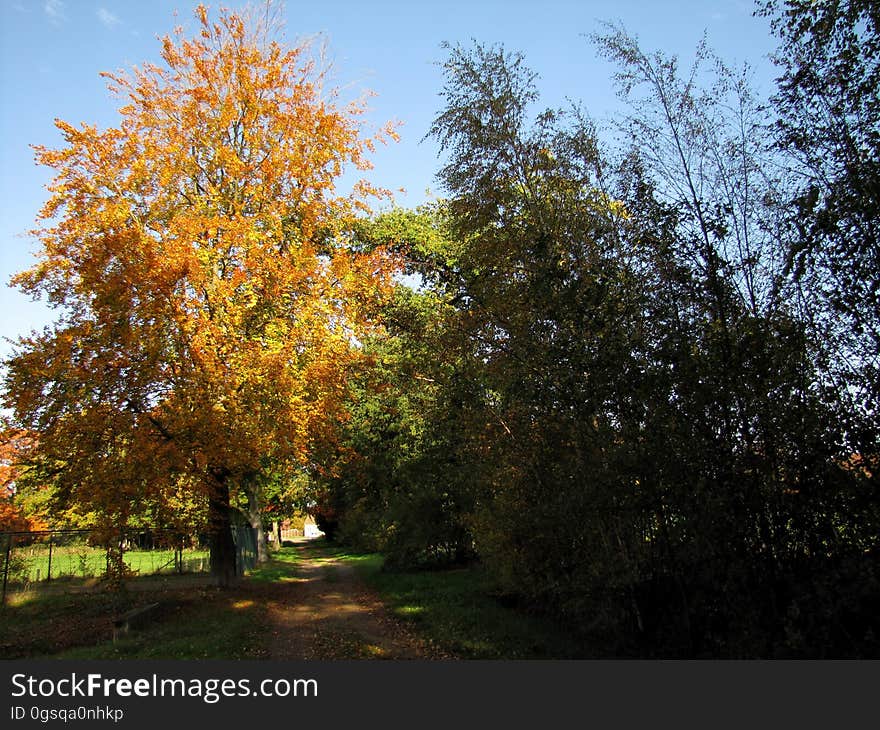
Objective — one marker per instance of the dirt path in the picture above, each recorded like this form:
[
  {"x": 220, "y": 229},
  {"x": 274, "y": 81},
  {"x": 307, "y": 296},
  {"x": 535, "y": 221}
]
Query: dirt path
[
  {"x": 326, "y": 612},
  {"x": 314, "y": 607}
]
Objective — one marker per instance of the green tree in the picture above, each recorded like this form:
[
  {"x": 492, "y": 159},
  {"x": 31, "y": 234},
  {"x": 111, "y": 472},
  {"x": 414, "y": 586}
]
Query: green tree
[
  {"x": 744, "y": 428},
  {"x": 550, "y": 302},
  {"x": 402, "y": 484},
  {"x": 653, "y": 454},
  {"x": 828, "y": 125}
]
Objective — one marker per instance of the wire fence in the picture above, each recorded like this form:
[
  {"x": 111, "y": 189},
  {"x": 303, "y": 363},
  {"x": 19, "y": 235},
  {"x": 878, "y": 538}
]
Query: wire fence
[{"x": 72, "y": 558}]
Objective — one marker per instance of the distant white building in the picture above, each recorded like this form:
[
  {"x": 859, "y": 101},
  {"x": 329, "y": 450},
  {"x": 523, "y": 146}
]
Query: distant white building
[{"x": 310, "y": 529}]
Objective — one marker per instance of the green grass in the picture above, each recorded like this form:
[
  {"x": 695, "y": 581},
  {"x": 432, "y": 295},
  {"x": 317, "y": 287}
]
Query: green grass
[
  {"x": 221, "y": 626},
  {"x": 193, "y": 621},
  {"x": 32, "y": 563},
  {"x": 213, "y": 624},
  {"x": 281, "y": 567},
  {"x": 36, "y": 625},
  {"x": 455, "y": 609}
]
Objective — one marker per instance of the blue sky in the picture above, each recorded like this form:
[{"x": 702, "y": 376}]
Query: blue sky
[{"x": 51, "y": 52}]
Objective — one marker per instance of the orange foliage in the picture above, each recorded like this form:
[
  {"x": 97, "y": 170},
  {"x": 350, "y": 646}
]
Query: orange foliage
[
  {"x": 12, "y": 519},
  {"x": 212, "y": 300}
]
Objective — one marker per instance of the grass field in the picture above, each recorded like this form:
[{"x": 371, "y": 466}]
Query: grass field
[
  {"x": 194, "y": 620},
  {"x": 31, "y": 564}
]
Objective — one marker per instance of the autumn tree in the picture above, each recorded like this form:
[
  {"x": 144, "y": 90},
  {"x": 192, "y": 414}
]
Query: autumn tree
[
  {"x": 13, "y": 516},
  {"x": 209, "y": 304}
]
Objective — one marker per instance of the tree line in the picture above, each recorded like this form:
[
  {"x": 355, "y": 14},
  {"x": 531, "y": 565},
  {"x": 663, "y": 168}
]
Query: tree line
[{"x": 637, "y": 378}]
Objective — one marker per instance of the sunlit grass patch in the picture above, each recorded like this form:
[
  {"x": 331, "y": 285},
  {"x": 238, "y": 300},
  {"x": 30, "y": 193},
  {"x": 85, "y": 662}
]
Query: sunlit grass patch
[
  {"x": 192, "y": 621},
  {"x": 281, "y": 568},
  {"x": 374, "y": 652},
  {"x": 212, "y": 626},
  {"x": 413, "y": 612},
  {"x": 455, "y": 610}
]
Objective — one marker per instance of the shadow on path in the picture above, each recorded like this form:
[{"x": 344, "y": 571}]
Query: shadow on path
[{"x": 318, "y": 608}]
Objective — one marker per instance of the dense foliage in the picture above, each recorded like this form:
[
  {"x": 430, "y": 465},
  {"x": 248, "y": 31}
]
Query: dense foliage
[
  {"x": 615, "y": 384},
  {"x": 637, "y": 379}
]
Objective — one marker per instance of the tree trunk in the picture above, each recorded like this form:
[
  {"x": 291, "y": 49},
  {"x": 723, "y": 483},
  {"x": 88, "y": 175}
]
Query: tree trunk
[
  {"x": 220, "y": 530},
  {"x": 256, "y": 521}
]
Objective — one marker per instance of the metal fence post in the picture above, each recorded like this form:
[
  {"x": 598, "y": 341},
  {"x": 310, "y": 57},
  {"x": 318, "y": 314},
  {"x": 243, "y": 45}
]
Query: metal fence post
[
  {"x": 6, "y": 567},
  {"x": 49, "y": 567}
]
